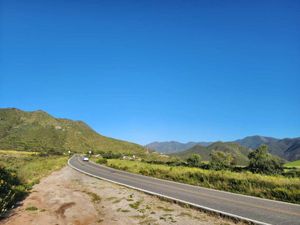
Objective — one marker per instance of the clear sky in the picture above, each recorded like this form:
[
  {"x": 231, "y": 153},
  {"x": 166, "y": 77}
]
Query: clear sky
[{"x": 156, "y": 70}]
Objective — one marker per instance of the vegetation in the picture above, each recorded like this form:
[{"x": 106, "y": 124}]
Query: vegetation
[
  {"x": 31, "y": 168},
  {"x": 11, "y": 190},
  {"x": 101, "y": 161},
  {"x": 194, "y": 160},
  {"x": 19, "y": 171},
  {"x": 221, "y": 160},
  {"x": 263, "y": 162},
  {"x": 31, "y": 208},
  {"x": 293, "y": 164},
  {"x": 266, "y": 186},
  {"x": 238, "y": 152},
  {"x": 40, "y": 132}
]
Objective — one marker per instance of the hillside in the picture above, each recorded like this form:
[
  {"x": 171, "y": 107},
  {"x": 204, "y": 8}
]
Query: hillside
[
  {"x": 239, "y": 152},
  {"x": 174, "y": 146},
  {"x": 39, "y": 131},
  {"x": 287, "y": 148}
]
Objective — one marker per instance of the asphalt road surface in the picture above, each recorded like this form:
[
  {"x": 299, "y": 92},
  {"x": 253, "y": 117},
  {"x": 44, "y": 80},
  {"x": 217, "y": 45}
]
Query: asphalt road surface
[{"x": 256, "y": 210}]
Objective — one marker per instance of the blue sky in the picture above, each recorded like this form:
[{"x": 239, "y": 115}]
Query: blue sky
[{"x": 156, "y": 70}]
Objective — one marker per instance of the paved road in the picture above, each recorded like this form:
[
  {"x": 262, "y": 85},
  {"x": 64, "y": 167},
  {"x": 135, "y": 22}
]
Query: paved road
[{"x": 253, "y": 209}]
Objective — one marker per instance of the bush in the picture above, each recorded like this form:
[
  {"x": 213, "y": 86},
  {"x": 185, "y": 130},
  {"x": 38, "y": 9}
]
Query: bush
[
  {"x": 220, "y": 160},
  {"x": 194, "y": 160},
  {"x": 11, "y": 190},
  {"x": 263, "y": 162},
  {"x": 111, "y": 155},
  {"x": 101, "y": 161}
]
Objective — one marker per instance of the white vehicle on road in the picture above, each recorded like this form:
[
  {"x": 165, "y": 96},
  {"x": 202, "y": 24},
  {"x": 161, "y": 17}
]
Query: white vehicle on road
[{"x": 85, "y": 159}]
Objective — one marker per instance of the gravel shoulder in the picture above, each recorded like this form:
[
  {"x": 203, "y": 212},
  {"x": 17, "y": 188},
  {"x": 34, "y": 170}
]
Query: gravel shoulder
[{"x": 69, "y": 197}]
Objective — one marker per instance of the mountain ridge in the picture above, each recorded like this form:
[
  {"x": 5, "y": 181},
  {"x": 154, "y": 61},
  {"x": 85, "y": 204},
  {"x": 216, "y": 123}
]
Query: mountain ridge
[
  {"x": 286, "y": 148},
  {"x": 39, "y": 131}
]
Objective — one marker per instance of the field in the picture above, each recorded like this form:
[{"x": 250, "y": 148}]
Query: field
[
  {"x": 29, "y": 166},
  {"x": 19, "y": 171},
  {"x": 293, "y": 164},
  {"x": 271, "y": 187}
]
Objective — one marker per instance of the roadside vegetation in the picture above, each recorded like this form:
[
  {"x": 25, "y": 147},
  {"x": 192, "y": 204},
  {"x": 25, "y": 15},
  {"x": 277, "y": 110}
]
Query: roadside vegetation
[
  {"x": 267, "y": 186},
  {"x": 263, "y": 177},
  {"x": 19, "y": 171},
  {"x": 295, "y": 164}
]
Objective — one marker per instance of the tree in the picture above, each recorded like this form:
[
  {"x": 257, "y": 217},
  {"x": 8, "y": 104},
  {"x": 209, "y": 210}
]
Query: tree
[
  {"x": 220, "y": 160},
  {"x": 263, "y": 162},
  {"x": 194, "y": 160}
]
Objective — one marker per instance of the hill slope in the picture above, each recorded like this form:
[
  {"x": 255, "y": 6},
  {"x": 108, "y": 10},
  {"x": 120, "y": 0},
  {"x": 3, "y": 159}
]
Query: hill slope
[
  {"x": 174, "y": 146},
  {"x": 39, "y": 131},
  {"x": 287, "y": 148},
  {"x": 239, "y": 152}
]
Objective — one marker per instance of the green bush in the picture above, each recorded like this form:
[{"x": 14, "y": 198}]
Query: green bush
[
  {"x": 221, "y": 160},
  {"x": 263, "y": 162},
  {"x": 11, "y": 190},
  {"x": 194, "y": 160},
  {"x": 101, "y": 161},
  {"x": 111, "y": 155}
]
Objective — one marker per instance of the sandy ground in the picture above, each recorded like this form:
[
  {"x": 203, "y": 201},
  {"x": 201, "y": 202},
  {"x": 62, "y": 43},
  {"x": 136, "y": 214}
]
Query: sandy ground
[{"x": 69, "y": 197}]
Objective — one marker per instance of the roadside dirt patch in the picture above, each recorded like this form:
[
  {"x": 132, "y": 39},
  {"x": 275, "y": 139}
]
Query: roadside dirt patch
[
  {"x": 71, "y": 198},
  {"x": 61, "y": 210}
]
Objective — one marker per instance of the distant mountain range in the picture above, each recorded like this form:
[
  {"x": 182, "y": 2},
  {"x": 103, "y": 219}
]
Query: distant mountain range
[
  {"x": 174, "y": 146},
  {"x": 287, "y": 148},
  {"x": 239, "y": 152},
  {"x": 39, "y": 131}
]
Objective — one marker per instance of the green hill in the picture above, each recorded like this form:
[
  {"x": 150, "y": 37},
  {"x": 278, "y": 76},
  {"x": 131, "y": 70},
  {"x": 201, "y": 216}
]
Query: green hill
[
  {"x": 239, "y": 152},
  {"x": 39, "y": 131},
  {"x": 293, "y": 164},
  {"x": 287, "y": 148}
]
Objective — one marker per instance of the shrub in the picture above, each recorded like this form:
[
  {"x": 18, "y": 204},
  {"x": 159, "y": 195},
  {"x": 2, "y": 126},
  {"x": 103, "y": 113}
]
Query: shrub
[
  {"x": 220, "y": 160},
  {"x": 111, "y": 155},
  {"x": 194, "y": 160},
  {"x": 10, "y": 190},
  {"x": 263, "y": 162},
  {"x": 101, "y": 161}
]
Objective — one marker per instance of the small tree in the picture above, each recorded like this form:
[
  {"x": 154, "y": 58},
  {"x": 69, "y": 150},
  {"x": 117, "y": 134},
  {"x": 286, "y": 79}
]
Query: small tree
[
  {"x": 220, "y": 160},
  {"x": 194, "y": 160},
  {"x": 263, "y": 162}
]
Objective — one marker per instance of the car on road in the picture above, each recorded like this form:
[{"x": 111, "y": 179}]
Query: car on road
[{"x": 85, "y": 158}]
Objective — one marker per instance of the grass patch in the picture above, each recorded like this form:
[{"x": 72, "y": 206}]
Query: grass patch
[
  {"x": 293, "y": 164},
  {"x": 185, "y": 214},
  {"x": 148, "y": 221},
  {"x": 111, "y": 198},
  {"x": 165, "y": 209},
  {"x": 14, "y": 152},
  {"x": 95, "y": 198},
  {"x": 135, "y": 205},
  {"x": 30, "y": 168},
  {"x": 19, "y": 171},
  {"x": 117, "y": 201},
  {"x": 31, "y": 208},
  {"x": 125, "y": 210},
  {"x": 272, "y": 187}
]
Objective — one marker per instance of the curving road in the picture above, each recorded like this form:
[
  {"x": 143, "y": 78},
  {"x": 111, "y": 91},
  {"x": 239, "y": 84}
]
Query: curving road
[{"x": 256, "y": 210}]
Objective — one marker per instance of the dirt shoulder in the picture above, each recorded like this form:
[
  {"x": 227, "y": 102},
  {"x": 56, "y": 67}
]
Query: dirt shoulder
[{"x": 69, "y": 197}]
